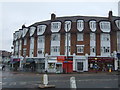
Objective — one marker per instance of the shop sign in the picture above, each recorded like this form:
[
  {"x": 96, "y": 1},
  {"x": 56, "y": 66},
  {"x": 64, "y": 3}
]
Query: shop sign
[{"x": 60, "y": 58}]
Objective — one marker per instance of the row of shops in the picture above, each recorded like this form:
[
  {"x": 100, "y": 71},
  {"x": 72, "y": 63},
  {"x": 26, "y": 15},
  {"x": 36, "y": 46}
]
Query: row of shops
[{"x": 63, "y": 64}]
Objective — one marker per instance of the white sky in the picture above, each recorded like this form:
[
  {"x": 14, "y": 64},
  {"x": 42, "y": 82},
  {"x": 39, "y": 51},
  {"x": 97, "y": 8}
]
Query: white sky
[{"x": 14, "y": 14}]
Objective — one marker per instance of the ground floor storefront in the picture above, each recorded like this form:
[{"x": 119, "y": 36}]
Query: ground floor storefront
[
  {"x": 106, "y": 64},
  {"x": 64, "y": 64}
]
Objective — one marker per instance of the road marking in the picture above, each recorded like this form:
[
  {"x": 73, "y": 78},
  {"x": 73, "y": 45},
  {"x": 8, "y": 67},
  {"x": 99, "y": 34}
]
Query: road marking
[
  {"x": 12, "y": 83},
  {"x": 22, "y": 83}
]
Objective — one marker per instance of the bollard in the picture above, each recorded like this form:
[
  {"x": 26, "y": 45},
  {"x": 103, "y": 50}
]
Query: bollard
[
  {"x": 73, "y": 82},
  {"x": 45, "y": 79},
  {"x": 45, "y": 82}
]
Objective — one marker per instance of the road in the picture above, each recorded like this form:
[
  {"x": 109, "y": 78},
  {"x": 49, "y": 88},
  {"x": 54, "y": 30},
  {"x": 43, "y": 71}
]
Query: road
[{"x": 83, "y": 80}]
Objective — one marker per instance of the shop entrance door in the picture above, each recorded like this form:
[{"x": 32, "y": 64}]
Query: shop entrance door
[{"x": 80, "y": 66}]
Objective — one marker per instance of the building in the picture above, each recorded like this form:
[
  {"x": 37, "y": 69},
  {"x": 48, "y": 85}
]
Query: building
[
  {"x": 5, "y": 56},
  {"x": 67, "y": 44}
]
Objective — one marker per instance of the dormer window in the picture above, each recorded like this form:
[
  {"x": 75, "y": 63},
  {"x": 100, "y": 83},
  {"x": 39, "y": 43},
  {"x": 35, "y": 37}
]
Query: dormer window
[
  {"x": 55, "y": 26},
  {"x": 80, "y": 25},
  {"x": 105, "y": 26},
  {"x": 41, "y": 29},
  {"x": 24, "y": 31},
  {"x": 67, "y": 26},
  {"x": 32, "y": 30},
  {"x": 92, "y": 25},
  {"x": 117, "y": 23}
]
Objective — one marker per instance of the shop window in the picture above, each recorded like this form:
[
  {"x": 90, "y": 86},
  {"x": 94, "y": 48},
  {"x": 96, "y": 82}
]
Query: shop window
[
  {"x": 51, "y": 65},
  {"x": 80, "y": 37}
]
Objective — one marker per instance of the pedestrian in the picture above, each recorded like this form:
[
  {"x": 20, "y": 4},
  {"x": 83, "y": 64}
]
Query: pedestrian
[{"x": 3, "y": 67}]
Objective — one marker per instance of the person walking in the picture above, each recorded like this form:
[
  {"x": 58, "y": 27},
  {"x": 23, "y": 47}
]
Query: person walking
[{"x": 3, "y": 68}]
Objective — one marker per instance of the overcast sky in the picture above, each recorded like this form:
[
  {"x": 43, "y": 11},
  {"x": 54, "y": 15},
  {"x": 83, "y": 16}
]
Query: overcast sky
[{"x": 15, "y": 14}]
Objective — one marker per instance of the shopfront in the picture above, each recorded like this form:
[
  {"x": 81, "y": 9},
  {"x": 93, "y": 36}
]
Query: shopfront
[
  {"x": 40, "y": 65},
  {"x": 80, "y": 64},
  {"x": 15, "y": 63},
  {"x": 65, "y": 64},
  {"x": 101, "y": 63},
  {"x": 29, "y": 64}
]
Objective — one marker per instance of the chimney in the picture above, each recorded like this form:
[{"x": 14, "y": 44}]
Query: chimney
[
  {"x": 53, "y": 16},
  {"x": 110, "y": 14}
]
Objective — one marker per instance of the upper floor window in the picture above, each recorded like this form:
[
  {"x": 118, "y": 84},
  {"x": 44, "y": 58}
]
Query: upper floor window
[
  {"x": 25, "y": 41},
  {"x": 41, "y": 29},
  {"x": 80, "y": 25},
  {"x": 67, "y": 26},
  {"x": 105, "y": 37},
  {"x": 92, "y": 36},
  {"x": 20, "y": 33},
  {"x": 32, "y": 30},
  {"x": 105, "y": 26},
  {"x": 92, "y": 25},
  {"x": 80, "y": 48},
  {"x": 79, "y": 36},
  {"x": 55, "y": 37},
  {"x": 24, "y": 31},
  {"x": 55, "y": 26},
  {"x": 117, "y": 23},
  {"x": 105, "y": 49},
  {"x": 55, "y": 49},
  {"x": 41, "y": 39}
]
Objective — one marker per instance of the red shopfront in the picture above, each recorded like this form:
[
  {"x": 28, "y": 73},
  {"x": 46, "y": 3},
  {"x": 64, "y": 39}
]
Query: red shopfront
[
  {"x": 67, "y": 63},
  {"x": 102, "y": 63}
]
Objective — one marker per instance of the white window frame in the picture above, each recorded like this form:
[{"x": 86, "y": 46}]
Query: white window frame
[
  {"x": 41, "y": 29},
  {"x": 55, "y": 37},
  {"x": 32, "y": 30},
  {"x": 67, "y": 26},
  {"x": 41, "y": 39},
  {"x": 55, "y": 26},
  {"x": 80, "y": 48},
  {"x": 117, "y": 23},
  {"x": 80, "y": 36},
  {"x": 55, "y": 49},
  {"x": 80, "y": 25},
  {"x": 105, "y": 26},
  {"x": 92, "y": 25}
]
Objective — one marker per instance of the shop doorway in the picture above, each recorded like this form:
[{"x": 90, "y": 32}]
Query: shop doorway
[{"x": 80, "y": 66}]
